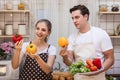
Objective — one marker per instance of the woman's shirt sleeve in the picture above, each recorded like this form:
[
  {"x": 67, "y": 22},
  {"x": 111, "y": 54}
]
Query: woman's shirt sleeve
[{"x": 52, "y": 50}]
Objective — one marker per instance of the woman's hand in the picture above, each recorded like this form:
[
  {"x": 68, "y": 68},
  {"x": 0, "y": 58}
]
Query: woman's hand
[
  {"x": 33, "y": 56},
  {"x": 18, "y": 45}
]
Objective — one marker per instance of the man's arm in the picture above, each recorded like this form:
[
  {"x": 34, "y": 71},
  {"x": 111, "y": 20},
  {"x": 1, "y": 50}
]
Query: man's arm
[
  {"x": 67, "y": 56},
  {"x": 109, "y": 59}
]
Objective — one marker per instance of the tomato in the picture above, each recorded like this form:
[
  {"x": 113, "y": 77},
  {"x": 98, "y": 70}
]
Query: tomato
[
  {"x": 62, "y": 42},
  {"x": 17, "y": 37},
  {"x": 31, "y": 48}
]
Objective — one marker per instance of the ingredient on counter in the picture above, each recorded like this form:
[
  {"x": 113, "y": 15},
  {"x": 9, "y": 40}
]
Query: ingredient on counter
[
  {"x": 17, "y": 37},
  {"x": 31, "y": 48},
  {"x": 78, "y": 67},
  {"x": 62, "y": 42},
  {"x": 97, "y": 63},
  {"x": 57, "y": 75}
]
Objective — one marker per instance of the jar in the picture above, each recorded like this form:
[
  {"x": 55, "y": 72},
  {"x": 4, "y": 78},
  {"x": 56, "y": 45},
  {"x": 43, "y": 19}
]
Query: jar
[
  {"x": 9, "y": 6},
  {"x": 115, "y": 8},
  {"x": 21, "y": 6},
  {"x": 103, "y": 7},
  {"x": 9, "y": 29},
  {"x": 22, "y": 29}
]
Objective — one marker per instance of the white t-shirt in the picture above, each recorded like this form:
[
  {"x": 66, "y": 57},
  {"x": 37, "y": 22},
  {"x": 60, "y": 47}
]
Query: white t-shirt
[
  {"x": 51, "y": 50},
  {"x": 99, "y": 37}
]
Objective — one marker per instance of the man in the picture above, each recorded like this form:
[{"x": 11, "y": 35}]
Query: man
[{"x": 88, "y": 42}]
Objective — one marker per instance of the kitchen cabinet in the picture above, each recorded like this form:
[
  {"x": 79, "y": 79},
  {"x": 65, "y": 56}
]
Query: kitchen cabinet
[{"x": 18, "y": 20}]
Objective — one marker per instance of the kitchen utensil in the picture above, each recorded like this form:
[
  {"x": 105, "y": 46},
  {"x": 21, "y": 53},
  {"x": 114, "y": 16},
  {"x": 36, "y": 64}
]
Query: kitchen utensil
[{"x": 117, "y": 30}]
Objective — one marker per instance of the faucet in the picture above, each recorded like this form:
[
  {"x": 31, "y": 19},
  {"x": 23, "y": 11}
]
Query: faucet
[{"x": 58, "y": 66}]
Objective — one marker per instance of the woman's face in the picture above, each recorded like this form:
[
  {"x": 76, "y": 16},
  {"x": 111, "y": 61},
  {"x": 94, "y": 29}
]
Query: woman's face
[{"x": 41, "y": 31}]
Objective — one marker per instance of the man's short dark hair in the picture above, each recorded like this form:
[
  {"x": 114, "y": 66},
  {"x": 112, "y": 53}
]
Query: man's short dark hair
[{"x": 83, "y": 9}]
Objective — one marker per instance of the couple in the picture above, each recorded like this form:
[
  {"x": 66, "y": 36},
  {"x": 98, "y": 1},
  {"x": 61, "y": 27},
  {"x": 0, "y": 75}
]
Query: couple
[{"x": 96, "y": 41}]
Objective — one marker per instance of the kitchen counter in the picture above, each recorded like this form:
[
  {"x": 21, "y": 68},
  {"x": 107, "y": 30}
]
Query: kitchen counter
[{"x": 7, "y": 72}]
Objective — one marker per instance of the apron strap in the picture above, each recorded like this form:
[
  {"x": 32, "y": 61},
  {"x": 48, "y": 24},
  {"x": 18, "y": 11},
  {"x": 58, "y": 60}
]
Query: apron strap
[{"x": 48, "y": 48}]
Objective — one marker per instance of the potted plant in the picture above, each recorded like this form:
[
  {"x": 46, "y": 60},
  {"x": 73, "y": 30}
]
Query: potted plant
[{"x": 6, "y": 50}]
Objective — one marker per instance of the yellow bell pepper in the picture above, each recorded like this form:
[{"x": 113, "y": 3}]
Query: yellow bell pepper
[{"x": 31, "y": 48}]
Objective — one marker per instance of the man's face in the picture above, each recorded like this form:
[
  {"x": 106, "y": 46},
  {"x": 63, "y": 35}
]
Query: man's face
[{"x": 78, "y": 19}]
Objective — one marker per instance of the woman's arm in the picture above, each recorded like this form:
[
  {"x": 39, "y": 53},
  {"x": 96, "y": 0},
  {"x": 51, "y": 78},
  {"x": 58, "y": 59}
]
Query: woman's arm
[
  {"x": 17, "y": 53},
  {"x": 46, "y": 67}
]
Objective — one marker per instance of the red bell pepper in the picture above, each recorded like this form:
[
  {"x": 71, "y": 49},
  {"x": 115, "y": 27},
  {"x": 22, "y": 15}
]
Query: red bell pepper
[
  {"x": 17, "y": 37},
  {"x": 97, "y": 62}
]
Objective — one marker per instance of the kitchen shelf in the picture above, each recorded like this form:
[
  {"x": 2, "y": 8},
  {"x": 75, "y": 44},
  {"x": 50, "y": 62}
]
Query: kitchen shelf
[
  {"x": 15, "y": 11},
  {"x": 9, "y": 36},
  {"x": 19, "y": 20},
  {"x": 114, "y": 36},
  {"x": 109, "y": 12}
]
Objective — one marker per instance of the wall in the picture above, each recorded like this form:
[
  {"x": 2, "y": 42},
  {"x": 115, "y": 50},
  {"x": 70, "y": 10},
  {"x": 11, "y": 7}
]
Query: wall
[{"x": 57, "y": 11}]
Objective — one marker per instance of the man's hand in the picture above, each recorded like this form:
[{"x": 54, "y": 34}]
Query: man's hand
[{"x": 63, "y": 51}]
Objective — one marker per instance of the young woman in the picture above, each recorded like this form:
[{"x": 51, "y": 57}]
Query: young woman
[{"x": 37, "y": 66}]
